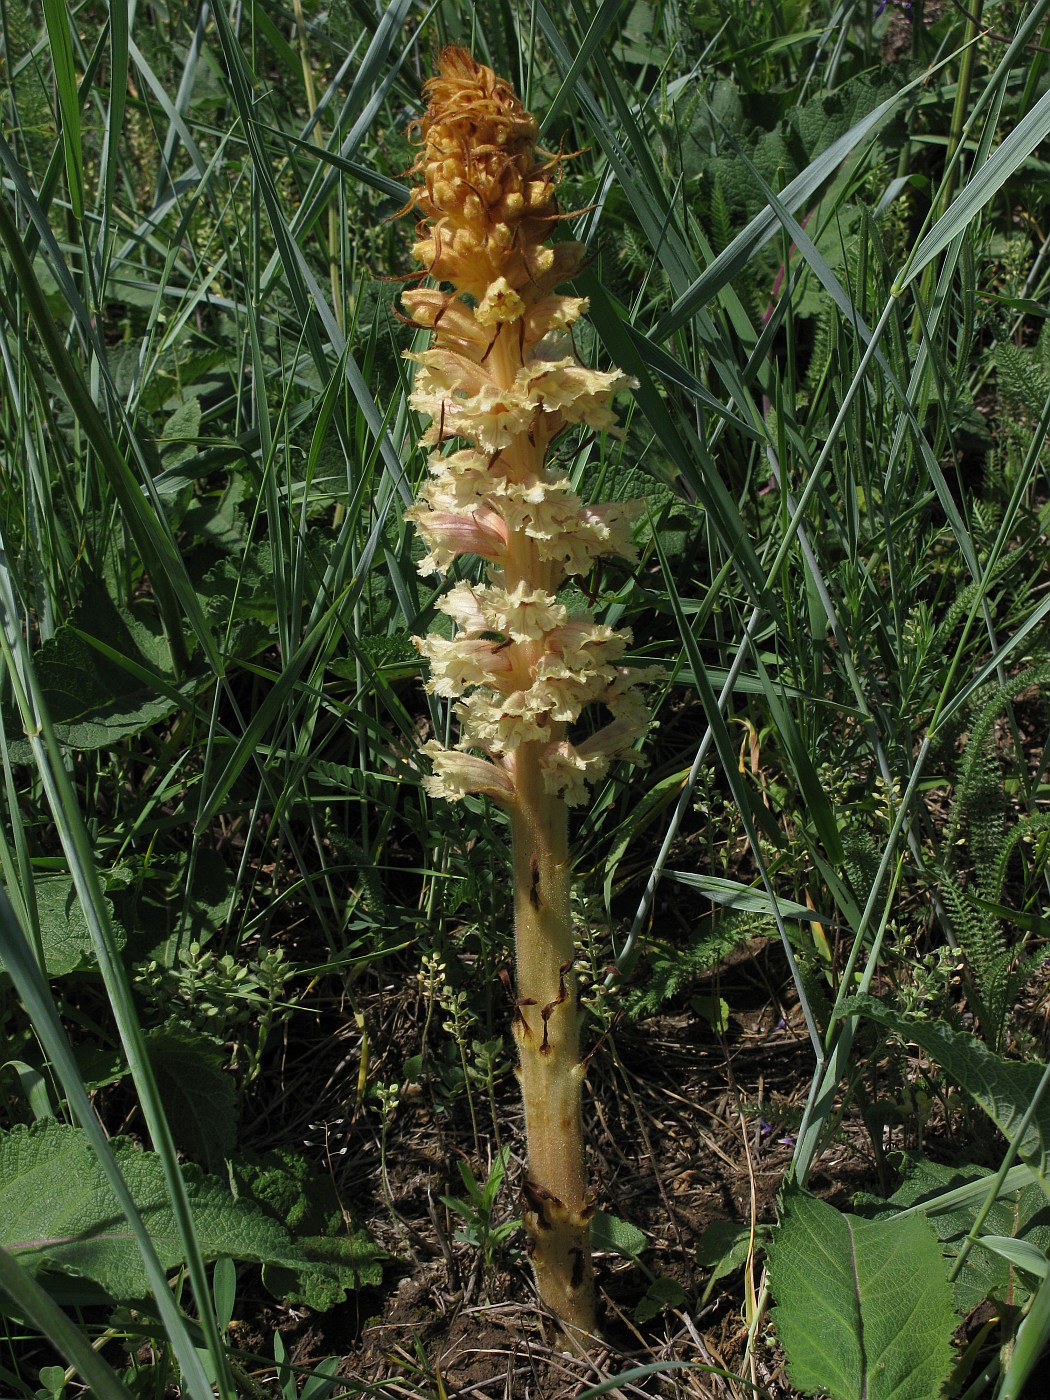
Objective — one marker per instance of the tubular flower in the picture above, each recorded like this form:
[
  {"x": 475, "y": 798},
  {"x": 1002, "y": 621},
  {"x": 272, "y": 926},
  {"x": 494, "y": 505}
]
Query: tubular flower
[{"x": 501, "y": 380}]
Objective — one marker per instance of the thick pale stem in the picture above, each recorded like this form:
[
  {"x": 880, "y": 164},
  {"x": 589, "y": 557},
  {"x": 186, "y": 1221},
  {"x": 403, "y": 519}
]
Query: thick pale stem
[
  {"x": 547, "y": 1020},
  {"x": 547, "y": 1030}
]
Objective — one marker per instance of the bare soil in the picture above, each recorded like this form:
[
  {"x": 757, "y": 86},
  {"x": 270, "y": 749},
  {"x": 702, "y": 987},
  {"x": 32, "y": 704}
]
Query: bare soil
[{"x": 686, "y": 1128}]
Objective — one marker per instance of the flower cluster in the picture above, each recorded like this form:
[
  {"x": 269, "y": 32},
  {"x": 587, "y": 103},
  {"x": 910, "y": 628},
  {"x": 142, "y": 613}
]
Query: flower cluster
[{"x": 501, "y": 376}]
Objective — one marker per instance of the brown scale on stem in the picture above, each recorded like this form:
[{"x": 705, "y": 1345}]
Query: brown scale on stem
[
  {"x": 548, "y": 1010},
  {"x": 518, "y": 1019}
]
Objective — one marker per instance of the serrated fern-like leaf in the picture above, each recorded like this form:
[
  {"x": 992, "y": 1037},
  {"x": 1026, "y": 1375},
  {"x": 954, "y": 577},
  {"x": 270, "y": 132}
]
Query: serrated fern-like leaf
[
  {"x": 1030, "y": 828},
  {"x": 983, "y": 944},
  {"x": 978, "y": 823},
  {"x": 672, "y": 967},
  {"x": 1022, "y": 378},
  {"x": 861, "y": 861},
  {"x": 368, "y": 882},
  {"x": 942, "y": 641},
  {"x": 721, "y": 223}
]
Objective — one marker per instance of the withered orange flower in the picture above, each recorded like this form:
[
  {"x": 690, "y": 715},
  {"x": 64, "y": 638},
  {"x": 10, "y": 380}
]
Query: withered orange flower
[{"x": 487, "y": 203}]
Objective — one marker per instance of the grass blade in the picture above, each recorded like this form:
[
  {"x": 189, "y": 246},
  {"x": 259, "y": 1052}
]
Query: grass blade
[
  {"x": 37, "y": 1305},
  {"x": 57, "y": 21},
  {"x": 990, "y": 178},
  {"x": 22, "y": 966}
]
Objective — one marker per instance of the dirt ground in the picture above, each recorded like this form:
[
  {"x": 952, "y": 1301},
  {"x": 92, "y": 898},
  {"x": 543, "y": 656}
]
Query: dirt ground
[{"x": 686, "y": 1129}]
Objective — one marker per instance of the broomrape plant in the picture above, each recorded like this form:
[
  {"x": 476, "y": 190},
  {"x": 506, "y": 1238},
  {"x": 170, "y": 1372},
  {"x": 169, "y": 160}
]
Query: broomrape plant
[{"x": 501, "y": 376}]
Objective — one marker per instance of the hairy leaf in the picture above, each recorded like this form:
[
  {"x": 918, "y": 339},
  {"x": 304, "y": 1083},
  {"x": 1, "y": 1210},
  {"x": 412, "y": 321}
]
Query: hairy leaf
[
  {"x": 932, "y": 1189},
  {"x": 64, "y": 935},
  {"x": 609, "y": 1232},
  {"x": 1003, "y": 1088},
  {"x": 337, "y": 1257},
  {"x": 864, "y": 1307},
  {"x": 92, "y": 699},
  {"x": 198, "y": 1095},
  {"x": 57, "y": 1211}
]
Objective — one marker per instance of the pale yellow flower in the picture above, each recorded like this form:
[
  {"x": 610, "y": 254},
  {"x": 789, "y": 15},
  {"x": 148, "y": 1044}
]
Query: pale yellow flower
[
  {"x": 447, "y": 536},
  {"x": 553, "y": 313},
  {"x": 518, "y": 666},
  {"x": 463, "y": 604},
  {"x": 455, "y": 774},
  {"x": 502, "y": 723},
  {"x": 459, "y": 663},
  {"x": 500, "y": 303},
  {"x": 524, "y": 614},
  {"x": 568, "y": 768},
  {"x": 568, "y": 532},
  {"x": 501, "y": 376},
  {"x": 567, "y": 772},
  {"x": 460, "y": 329}
]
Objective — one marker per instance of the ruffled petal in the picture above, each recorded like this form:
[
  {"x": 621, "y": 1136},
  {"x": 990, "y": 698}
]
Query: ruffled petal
[
  {"x": 502, "y": 723},
  {"x": 456, "y": 774},
  {"x": 567, "y": 772},
  {"x": 501, "y": 376},
  {"x": 459, "y": 663},
  {"x": 568, "y": 768},
  {"x": 447, "y": 536},
  {"x": 500, "y": 303}
]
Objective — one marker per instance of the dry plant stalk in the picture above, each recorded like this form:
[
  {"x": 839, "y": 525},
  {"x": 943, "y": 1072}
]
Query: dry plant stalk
[{"x": 501, "y": 376}]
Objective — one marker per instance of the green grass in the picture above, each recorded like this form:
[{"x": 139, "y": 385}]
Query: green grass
[{"x": 816, "y": 244}]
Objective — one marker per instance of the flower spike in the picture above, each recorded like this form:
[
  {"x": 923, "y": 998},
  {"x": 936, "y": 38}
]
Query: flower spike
[{"x": 501, "y": 380}]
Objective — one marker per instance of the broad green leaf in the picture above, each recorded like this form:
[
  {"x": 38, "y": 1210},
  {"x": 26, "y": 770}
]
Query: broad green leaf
[
  {"x": 662, "y": 1293},
  {"x": 950, "y": 1197},
  {"x": 238, "y": 598},
  {"x": 723, "y": 1248},
  {"x": 177, "y": 440},
  {"x": 1003, "y": 1088},
  {"x": 198, "y": 1095},
  {"x": 57, "y": 1211},
  {"x": 864, "y": 1307},
  {"x": 336, "y": 1256},
  {"x": 325, "y": 1269},
  {"x": 92, "y": 699},
  {"x": 64, "y": 934},
  {"x": 93, "y": 704},
  {"x": 1021, "y": 1253},
  {"x": 37, "y": 1000},
  {"x": 610, "y": 1233}
]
